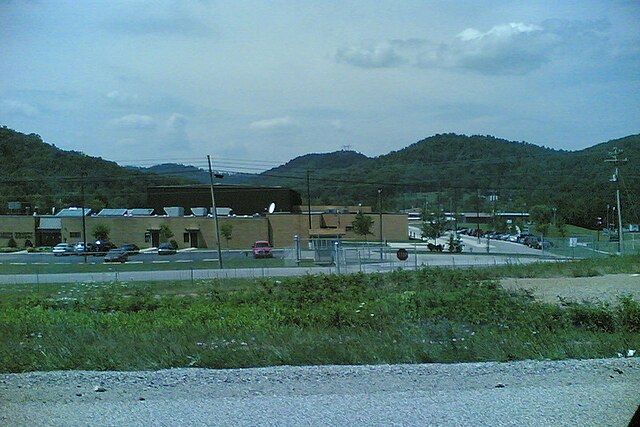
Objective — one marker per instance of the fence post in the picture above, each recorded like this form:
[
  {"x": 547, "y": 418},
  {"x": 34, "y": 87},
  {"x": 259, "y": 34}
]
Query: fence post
[
  {"x": 336, "y": 257},
  {"x": 415, "y": 258},
  {"x": 297, "y": 242}
]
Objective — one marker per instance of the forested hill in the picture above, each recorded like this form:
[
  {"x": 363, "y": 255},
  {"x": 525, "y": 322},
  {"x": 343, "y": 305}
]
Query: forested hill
[
  {"x": 448, "y": 171},
  {"x": 451, "y": 170},
  {"x": 43, "y": 176}
]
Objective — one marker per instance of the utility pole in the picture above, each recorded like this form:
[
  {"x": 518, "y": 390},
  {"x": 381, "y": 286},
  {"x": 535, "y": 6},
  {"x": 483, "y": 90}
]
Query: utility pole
[
  {"x": 84, "y": 223},
  {"x": 478, "y": 212},
  {"x": 215, "y": 214},
  {"x": 616, "y": 178},
  {"x": 380, "y": 220},
  {"x": 309, "y": 199}
]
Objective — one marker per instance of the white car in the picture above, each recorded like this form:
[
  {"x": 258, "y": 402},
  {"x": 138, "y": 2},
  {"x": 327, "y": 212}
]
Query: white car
[{"x": 62, "y": 249}]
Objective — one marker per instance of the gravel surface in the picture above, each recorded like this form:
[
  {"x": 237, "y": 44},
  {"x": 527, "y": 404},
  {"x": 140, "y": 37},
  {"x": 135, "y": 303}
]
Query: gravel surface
[
  {"x": 601, "y": 392},
  {"x": 605, "y": 288}
]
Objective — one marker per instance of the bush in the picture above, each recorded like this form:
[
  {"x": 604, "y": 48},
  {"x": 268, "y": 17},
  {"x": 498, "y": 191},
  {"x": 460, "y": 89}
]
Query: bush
[
  {"x": 12, "y": 243},
  {"x": 629, "y": 313},
  {"x": 28, "y": 244},
  {"x": 593, "y": 317},
  {"x": 173, "y": 244}
]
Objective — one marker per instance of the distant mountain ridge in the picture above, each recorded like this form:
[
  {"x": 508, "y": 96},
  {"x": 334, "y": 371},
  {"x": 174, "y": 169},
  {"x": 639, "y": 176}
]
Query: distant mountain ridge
[{"x": 447, "y": 171}]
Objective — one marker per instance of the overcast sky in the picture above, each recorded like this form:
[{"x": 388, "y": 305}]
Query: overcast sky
[{"x": 160, "y": 81}]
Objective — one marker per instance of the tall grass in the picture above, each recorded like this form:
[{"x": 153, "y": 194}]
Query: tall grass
[{"x": 431, "y": 315}]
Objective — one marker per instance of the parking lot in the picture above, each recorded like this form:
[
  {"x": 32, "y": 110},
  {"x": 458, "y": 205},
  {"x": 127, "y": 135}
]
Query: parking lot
[{"x": 146, "y": 256}]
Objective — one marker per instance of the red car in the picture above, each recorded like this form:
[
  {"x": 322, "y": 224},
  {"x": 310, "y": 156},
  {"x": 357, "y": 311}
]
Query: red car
[{"x": 262, "y": 249}]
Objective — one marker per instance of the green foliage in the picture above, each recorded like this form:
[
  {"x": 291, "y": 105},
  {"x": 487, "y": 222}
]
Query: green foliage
[
  {"x": 458, "y": 166},
  {"x": 165, "y": 232},
  {"x": 226, "y": 229},
  {"x": 434, "y": 225},
  {"x": 541, "y": 215},
  {"x": 561, "y": 225},
  {"x": 362, "y": 224},
  {"x": 48, "y": 177},
  {"x": 12, "y": 243},
  {"x": 100, "y": 232},
  {"x": 629, "y": 314},
  {"x": 431, "y": 315}
]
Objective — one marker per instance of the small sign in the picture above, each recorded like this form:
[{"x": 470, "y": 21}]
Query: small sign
[
  {"x": 573, "y": 242},
  {"x": 402, "y": 254}
]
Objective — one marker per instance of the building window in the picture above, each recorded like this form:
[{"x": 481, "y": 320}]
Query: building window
[
  {"x": 186, "y": 237},
  {"x": 75, "y": 234}
]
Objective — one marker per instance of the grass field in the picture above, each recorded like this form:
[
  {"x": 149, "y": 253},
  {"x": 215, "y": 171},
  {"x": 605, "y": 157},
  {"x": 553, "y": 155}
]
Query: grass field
[{"x": 432, "y": 315}]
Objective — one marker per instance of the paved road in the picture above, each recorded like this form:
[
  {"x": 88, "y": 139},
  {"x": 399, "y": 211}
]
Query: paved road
[
  {"x": 185, "y": 273},
  {"x": 585, "y": 393}
]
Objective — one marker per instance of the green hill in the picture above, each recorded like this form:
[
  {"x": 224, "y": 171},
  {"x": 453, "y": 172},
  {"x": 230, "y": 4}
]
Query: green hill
[
  {"x": 42, "y": 176},
  {"x": 450, "y": 170},
  {"x": 445, "y": 171}
]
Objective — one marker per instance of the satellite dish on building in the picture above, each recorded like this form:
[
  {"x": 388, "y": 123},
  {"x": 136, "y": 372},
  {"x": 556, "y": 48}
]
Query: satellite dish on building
[{"x": 272, "y": 208}]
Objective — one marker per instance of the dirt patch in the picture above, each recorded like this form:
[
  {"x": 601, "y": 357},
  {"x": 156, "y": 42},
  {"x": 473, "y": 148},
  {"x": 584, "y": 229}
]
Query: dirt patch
[{"x": 600, "y": 288}]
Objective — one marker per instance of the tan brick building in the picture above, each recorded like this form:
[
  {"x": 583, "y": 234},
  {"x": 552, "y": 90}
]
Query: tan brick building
[{"x": 199, "y": 232}]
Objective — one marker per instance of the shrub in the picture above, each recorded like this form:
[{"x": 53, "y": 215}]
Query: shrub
[
  {"x": 12, "y": 243},
  {"x": 629, "y": 314},
  {"x": 592, "y": 317},
  {"x": 28, "y": 244}
]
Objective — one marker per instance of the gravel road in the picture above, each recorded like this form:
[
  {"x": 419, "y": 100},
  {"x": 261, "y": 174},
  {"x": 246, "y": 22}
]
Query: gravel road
[{"x": 602, "y": 392}]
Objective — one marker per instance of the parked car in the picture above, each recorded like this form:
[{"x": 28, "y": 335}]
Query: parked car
[
  {"x": 62, "y": 249},
  {"x": 130, "y": 248},
  {"x": 530, "y": 241},
  {"x": 262, "y": 249},
  {"x": 167, "y": 249},
  {"x": 116, "y": 255},
  {"x": 80, "y": 248},
  {"x": 102, "y": 247}
]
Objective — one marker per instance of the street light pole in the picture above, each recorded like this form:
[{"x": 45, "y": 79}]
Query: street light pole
[
  {"x": 380, "y": 220},
  {"x": 215, "y": 213}
]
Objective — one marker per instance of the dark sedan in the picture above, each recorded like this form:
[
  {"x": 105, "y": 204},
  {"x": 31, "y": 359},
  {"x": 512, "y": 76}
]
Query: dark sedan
[
  {"x": 166, "y": 249},
  {"x": 130, "y": 248},
  {"x": 116, "y": 255}
]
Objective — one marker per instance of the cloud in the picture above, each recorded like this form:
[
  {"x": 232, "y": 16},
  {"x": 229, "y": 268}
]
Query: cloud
[
  {"x": 275, "y": 123},
  {"x": 175, "y": 130},
  {"x": 135, "y": 121},
  {"x": 12, "y": 107},
  {"x": 175, "y": 19},
  {"x": 514, "y": 48},
  {"x": 372, "y": 55},
  {"x": 122, "y": 98}
]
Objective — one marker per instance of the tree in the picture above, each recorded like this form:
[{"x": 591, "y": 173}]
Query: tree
[
  {"x": 561, "y": 226},
  {"x": 165, "y": 232},
  {"x": 100, "y": 232},
  {"x": 434, "y": 225},
  {"x": 362, "y": 225},
  {"x": 226, "y": 230},
  {"x": 541, "y": 215}
]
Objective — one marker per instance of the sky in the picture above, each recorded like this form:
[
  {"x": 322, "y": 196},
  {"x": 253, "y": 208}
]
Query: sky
[{"x": 257, "y": 83}]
